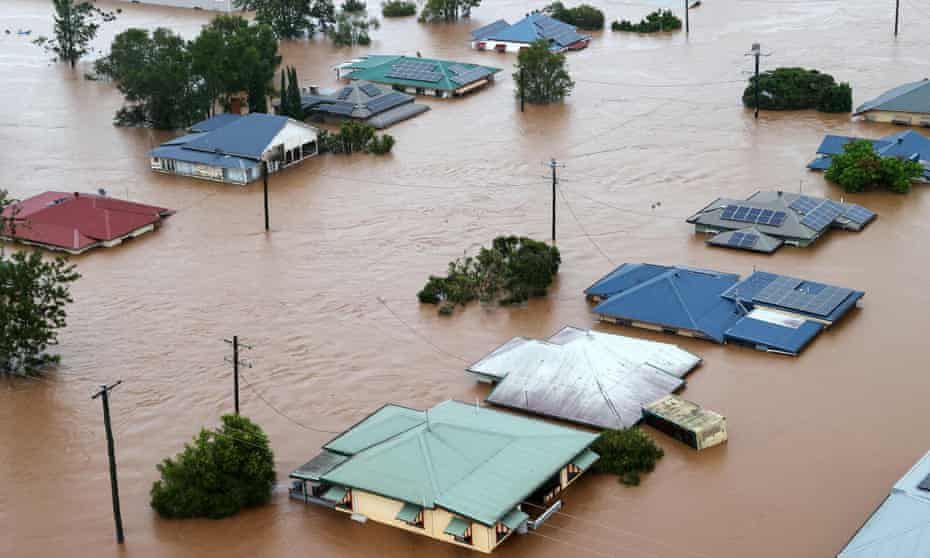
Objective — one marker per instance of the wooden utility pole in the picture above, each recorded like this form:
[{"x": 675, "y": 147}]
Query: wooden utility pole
[
  {"x": 114, "y": 486},
  {"x": 265, "y": 180},
  {"x": 897, "y": 9},
  {"x": 687, "y": 23},
  {"x": 553, "y": 164},
  {"x": 756, "y": 52},
  {"x": 236, "y": 362}
]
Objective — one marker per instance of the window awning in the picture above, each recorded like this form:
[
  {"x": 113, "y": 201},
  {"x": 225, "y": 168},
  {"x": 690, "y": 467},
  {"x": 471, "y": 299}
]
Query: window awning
[
  {"x": 513, "y": 519},
  {"x": 585, "y": 459},
  {"x": 457, "y": 527},
  {"x": 409, "y": 513},
  {"x": 335, "y": 493}
]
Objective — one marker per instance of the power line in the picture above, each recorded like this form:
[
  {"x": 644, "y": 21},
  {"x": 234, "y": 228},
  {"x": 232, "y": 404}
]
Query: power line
[
  {"x": 613, "y": 543},
  {"x": 281, "y": 413},
  {"x": 418, "y": 334},
  {"x": 584, "y": 548},
  {"x": 583, "y": 230}
]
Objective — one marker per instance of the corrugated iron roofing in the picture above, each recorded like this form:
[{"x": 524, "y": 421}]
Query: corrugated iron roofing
[
  {"x": 908, "y": 144},
  {"x": 910, "y": 97},
  {"x": 533, "y": 27},
  {"x": 375, "y": 68},
  {"x": 244, "y": 136},
  {"x": 473, "y": 461}
]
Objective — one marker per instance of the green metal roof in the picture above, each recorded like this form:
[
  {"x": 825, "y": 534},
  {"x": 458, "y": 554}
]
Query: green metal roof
[
  {"x": 457, "y": 527},
  {"x": 513, "y": 519},
  {"x": 318, "y": 466},
  {"x": 375, "y": 68},
  {"x": 409, "y": 512},
  {"x": 335, "y": 493},
  {"x": 585, "y": 459},
  {"x": 472, "y": 461}
]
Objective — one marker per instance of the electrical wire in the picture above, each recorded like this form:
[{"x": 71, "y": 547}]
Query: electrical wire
[
  {"x": 583, "y": 230},
  {"x": 281, "y": 413},
  {"x": 418, "y": 334},
  {"x": 613, "y": 543},
  {"x": 584, "y": 548}
]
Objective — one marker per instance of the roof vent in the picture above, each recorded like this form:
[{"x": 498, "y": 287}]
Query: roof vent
[{"x": 925, "y": 484}]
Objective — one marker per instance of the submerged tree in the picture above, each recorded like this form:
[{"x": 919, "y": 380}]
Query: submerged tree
[
  {"x": 33, "y": 296},
  {"x": 220, "y": 473},
  {"x": 584, "y": 16},
  {"x": 290, "y": 103},
  {"x": 291, "y": 19},
  {"x": 628, "y": 453},
  {"x": 447, "y": 10},
  {"x": 76, "y": 25},
  {"x": 859, "y": 168},
  {"x": 542, "y": 76},
  {"x": 352, "y": 28}
]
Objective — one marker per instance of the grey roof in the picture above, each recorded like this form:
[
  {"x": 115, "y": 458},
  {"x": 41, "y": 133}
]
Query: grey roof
[
  {"x": 794, "y": 227},
  {"x": 245, "y": 136},
  {"x": 364, "y": 100},
  {"x": 214, "y": 122},
  {"x": 588, "y": 377},
  {"x": 764, "y": 243},
  {"x": 900, "y": 527},
  {"x": 178, "y": 153},
  {"x": 910, "y": 97},
  {"x": 323, "y": 463},
  {"x": 535, "y": 26}
]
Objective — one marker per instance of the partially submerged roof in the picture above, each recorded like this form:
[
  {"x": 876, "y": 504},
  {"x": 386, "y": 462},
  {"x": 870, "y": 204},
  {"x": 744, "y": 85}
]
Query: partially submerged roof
[
  {"x": 533, "y": 27},
  {"x": 749, "y": 238},
  {"x": 473, "y": 461},
  {"x": 214, "y": 122},
  {"x": 417, "y": 72},
  {"x": 908, "y": 144},
  {"x": 773, "y": 331},
  {"x": 684, "y": 413},
  {"x": 587, "y": 377},
  {"x": 900, "y": 527},
  {"x": 364, "y": 100},
  {"x": 798, "y": 296},
  {"x": 75, "y": 222},
  {"x": 245, "y": 136},
  {"x": 911, "y": 97}
]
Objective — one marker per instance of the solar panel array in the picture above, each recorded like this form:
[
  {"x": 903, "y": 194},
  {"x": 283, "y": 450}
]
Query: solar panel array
[
  {"x": 788, "y": 292},
  {"x": 344, "y": 93},
  {"x": 747, "y": 214},
  {"x": 824, "y": 214},
  {"x": 456, "y": 69},
  {"x": 416, "y": 71},
  {"x": 858, "y": 214},
  {"x": 342, "y": 109},
  {"x": 471, "y": 75},
  {"x": 743, "y": 240},
  {"x": 386, "y": 102},
  {"x": 370, "y": 90},
  {"x": 558, "y": 32},
  {"x": 804, "y": 204}
]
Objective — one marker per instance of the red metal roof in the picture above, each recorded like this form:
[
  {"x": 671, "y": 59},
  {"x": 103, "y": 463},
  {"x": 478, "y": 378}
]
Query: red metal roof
[{"x": 75, "y": 221}]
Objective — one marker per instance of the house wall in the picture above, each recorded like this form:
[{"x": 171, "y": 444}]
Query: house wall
[
  {"x": 493, "y": 45},
  {"x": 912, "y": 118},
  {"x": 293, "y": 135},
  {"x": 383, "y": 510}
]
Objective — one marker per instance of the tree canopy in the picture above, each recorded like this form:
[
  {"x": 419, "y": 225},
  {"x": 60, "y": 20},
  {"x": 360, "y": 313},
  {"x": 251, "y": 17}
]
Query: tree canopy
[
  {"x": 655, "y": 22},
  {"x": 355, "y": 137},
  {"x": 544, "y": 76},
  {"x": 352, "y": 28},
  {"x": 797, "y": 89},
  {"x": 511, "y": 271},
  {"x": 290, "y": 104},
  {"x": 447, "y": 10},
  {"x": 33, "y": 295},
  {"x": 292, "y": 19},
  {"x": 398, "y": 8},
  {"x": 75, "y": 26},
  {"x": 221, "y": 472},
  {"x": 859, "y": 168},
  {"x": 584, "y": 16},
  {"x": 628, "y": 452}
]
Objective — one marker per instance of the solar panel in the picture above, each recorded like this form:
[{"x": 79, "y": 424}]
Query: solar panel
[
  {"x": 824, "y": 214},
  {"x": 344, "y": 93},
  {"x": 342, "y": 109},
  {"x": 370, "y": 90},
  {"x": 415, "y": 74},
  {"x": 386, "y": 102},
  {"x": 757, "y": 215},
  {"x": 474, "y": 74},
  {"x": 742, "y": 240},
  {"x": 794, "y": 294},
  {"x": 925, "y": 484},
  {"x": 456, "y": 69},
  {"x": 858, "y": 214},
  {"x": 804, "y": 204}
]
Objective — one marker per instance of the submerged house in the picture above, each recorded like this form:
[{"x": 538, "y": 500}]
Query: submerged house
[
  {"x": 231, "y": 148},
  {"x": 75, "y": 223},
  {"x": 504, "y": 37},
  {"x": 907, "y": 104},
  {"x": 903, "y": 145},
  {"x": 458, "y": 473},
  {"x": 361, "y": 101},
  {"x": 587, "y": 377},
  {"x": 900, "y": 527},
  {"x": 765, "y": 221},
  {"x": 766, "y": 311},
  {"x": 419, "y": 76}
]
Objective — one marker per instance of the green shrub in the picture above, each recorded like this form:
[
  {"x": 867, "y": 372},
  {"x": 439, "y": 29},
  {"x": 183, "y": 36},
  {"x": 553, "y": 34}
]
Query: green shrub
[
  {"x": 354, "y": 6},
  {"x": 222, "y": 472},
  {"x": 584, "y": 16},
  {"x": 398, "y": 8},
  {"x": 798, "y": 89},
  {"x": 511, "y": 271},
  {"x": 628, "y": 453},
  {"x": 858, "y": 168},
  {"x": 656, "y": 22},
  {"x": 381, "y": 145},
  {"x": 354, "y": 136}
]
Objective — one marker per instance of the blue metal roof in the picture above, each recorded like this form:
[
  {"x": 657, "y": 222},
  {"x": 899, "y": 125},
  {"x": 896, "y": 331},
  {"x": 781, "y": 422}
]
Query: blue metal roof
[
  {"x": 769, "y": 336},
  {"x": 533, "y": 27},
  {"x": 246, "y": 136},
  {"x": 680, "y": 298},
  {"x": 910, "y": 97},
  {"x": 215, "y": 122},
  {"x": 489, "y": 30},
  {"x": 900, "y": 527},
  {"x": 624, "y": 277},
  {"x": 748, "y": 289},
  {"x": 904, "y": 145},
  {"x": 178, "y": 153}
]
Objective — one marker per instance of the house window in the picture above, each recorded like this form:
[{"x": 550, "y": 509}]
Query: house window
[
  {"x": 308, "y": 149},
  {"x": 502, "y": 531},
  {"x": 465, "y": 538},
  {"x": 500, "y": 48},
  {"x": 573, "y": 471},
  {"x": 346, "y": 502}
]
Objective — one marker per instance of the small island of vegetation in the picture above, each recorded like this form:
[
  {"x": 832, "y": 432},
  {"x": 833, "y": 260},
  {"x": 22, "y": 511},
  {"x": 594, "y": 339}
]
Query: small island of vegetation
[
  {"x": 798, "y": 89},
  {"x": 859, "y": 168},
  {"x": 398, "y": 8},
  {"x": 628, "y": 453},
  {"x": 656, "y": 22},
  {"x": 583, "y": 16},
  {"x": 511, "y": 271},
  {"x": 541, "y": 75},
  {"x": 355, "y": 137}
]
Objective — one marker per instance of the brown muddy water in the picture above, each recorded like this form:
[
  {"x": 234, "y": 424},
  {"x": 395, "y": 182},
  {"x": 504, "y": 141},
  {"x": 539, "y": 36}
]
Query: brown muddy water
[{"x": 815, "y": 442}]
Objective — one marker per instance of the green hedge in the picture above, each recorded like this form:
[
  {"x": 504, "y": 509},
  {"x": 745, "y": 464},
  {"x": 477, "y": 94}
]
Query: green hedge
[
  {"x": 657, "y": 21},
  {"x": 584, "y": 16},
  {"x": 398, "y": 8},
  {"x": 628, "y": 453},
  {"x": 798, "y": 89}
]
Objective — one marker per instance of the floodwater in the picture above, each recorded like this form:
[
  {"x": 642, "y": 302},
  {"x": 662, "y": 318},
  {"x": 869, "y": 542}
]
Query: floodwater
[{"x": 653, "y": 131}]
